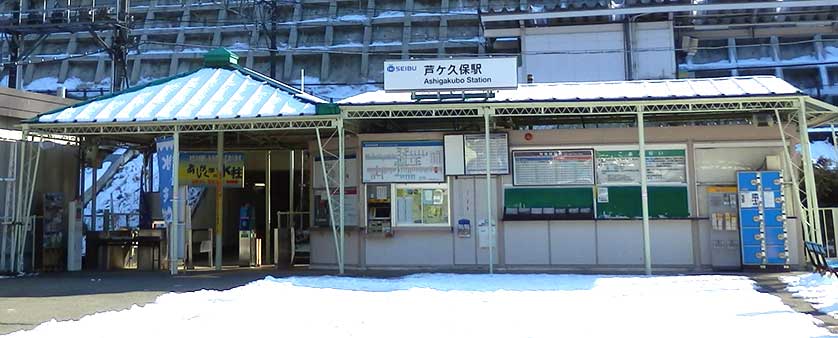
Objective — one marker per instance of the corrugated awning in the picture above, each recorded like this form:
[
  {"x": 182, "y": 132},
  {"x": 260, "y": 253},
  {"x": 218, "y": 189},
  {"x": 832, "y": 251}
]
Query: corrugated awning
[
  {"x": 213, "y": 93},
  {"x": 607, "y": 91}
]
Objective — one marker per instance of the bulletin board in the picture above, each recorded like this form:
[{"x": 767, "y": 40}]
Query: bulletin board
[
  {"x": 542, "y": 203},
  {"x": 553, "y": 167},
  {"x": 625, "y": 202}
]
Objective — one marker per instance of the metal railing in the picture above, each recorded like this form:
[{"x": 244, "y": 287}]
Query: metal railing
[
  {"x": 112, "y": 220},
  {"x": 829, "y": 229},
  {"x": 13, "y": 242}
]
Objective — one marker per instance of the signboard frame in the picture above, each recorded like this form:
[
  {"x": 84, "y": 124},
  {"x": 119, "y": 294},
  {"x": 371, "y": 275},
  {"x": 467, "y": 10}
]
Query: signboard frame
[
  {"x": 480, "y": 169},
  {"x": 633, "y": 156},
  {"x": 592, "y": 169},
  {"x": 365, "y": 145},
  {"x": 451, "y": 74},
  {"x": 232, "y": 159}
]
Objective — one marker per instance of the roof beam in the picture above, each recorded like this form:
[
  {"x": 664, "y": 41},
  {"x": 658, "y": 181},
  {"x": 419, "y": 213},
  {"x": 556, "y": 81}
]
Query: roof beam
[{"x": 656, "y": 9}]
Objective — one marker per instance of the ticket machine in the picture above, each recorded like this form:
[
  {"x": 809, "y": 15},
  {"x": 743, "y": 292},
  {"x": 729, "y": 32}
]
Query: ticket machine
[{"x": 379, "y": 215}]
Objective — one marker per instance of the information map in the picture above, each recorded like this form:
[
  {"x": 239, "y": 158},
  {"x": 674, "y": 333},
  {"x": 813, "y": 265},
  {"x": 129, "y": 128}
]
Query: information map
[{"x": 403, "y": 161}]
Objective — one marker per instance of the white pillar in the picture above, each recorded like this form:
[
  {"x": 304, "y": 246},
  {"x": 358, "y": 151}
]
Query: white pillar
[
  {"x": 644, "y": 195},
  {"x": 808, "y": 173},
  {"x": 268, "y": 243},
  {"x": 342, "y": 189},
  {"x": 489, "y": 193},
  {"x": 219, "y": 201},
  {"x": 174, "y": 241}
]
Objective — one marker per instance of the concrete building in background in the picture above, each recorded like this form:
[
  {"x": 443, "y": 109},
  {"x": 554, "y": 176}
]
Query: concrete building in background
[{"x": 341, "y": 45}]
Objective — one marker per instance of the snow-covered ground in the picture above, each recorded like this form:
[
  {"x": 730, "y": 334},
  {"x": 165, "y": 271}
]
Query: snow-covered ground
[
  {"x": 821, "y": 291},
  {"x": 447, "y": 305}
]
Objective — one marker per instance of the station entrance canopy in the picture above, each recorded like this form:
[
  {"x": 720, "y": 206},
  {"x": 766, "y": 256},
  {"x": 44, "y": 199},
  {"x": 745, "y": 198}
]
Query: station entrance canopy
[{"x": 197, "y": 109}]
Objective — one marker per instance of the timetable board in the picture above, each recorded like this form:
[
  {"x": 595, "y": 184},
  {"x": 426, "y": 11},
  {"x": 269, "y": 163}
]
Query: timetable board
[
  {"x": 553, "y": 167},
  {"x": 475, "y": 154},
  {"x": 466, "y": 154},
  {"x": 623, "y": 166},
  {"x": 403, "y": 161}
]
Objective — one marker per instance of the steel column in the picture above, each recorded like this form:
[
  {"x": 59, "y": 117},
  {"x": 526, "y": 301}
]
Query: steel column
[
  {"x": 219, "y": 201},
  {"x": 341, "y": 192},
  {"x": 808, "y": 172},
  {"x": 644, "y": 195},
  {"x": 329, "y": 199},
  {"x": 486, "y": 121},
  {"x": 789, "y": 167},
  {"x": 268, "y": 243},
  {"x": 175, "y": 239}
]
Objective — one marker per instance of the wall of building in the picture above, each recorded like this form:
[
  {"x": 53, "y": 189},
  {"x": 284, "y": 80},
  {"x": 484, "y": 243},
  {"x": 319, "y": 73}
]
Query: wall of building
[
  {"x": 596, "y": 52},
  {"x": 714, "y": 154}
]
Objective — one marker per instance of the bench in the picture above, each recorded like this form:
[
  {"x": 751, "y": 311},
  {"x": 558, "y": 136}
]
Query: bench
[{"x": 818, "y": 257}]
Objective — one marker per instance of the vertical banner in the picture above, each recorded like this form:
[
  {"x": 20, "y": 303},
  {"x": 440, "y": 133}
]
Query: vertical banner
[{"x": 165, "y": 156}]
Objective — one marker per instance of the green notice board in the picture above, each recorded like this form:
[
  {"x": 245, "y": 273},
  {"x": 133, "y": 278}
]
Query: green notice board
[
  {"x": 548, "y": 197},
  {"x": 664, "y": 202},
  {"x": 548, "y": 203}
]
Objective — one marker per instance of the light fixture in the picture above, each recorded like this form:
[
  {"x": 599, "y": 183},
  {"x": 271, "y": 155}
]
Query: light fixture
[{"x": 259, "y": 185}]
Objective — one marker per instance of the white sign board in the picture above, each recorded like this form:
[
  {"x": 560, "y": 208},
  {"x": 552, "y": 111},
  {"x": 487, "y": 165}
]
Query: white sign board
[
  {"x": 466, "y": 154},
  {"x": 451, "y": 74},
  {"x": 553, "y": 167},
  {"x": 350, "y": 164},
  {"x": 403, "y": 161}
]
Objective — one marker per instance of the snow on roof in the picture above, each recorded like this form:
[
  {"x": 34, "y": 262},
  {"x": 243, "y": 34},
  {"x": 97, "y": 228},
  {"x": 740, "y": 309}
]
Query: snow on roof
[
  {"x": 612, "y": 90},
  {"x": 208, "y": 93}
]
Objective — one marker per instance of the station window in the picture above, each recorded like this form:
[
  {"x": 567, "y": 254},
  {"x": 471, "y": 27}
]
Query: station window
[{"x": 421, "y": 204}]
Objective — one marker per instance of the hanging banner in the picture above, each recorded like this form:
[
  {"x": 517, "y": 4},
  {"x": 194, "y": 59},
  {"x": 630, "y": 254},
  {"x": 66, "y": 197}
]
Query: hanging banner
[
  {"x": 201, "y": 169},
  {"x": 553, "y": 167},
  {"x": 623, "y": 166},
  {"x": 403, "y": 161},
  {"x": 451, "y": 74},
  {"x": 165, "y": 155}
]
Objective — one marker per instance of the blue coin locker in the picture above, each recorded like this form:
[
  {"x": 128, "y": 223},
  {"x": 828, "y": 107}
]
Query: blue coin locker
[{"x": 761, "y": 213}]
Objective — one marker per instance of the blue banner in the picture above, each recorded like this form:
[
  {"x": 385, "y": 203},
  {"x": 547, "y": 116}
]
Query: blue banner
[{"x": 165, "y": 156}]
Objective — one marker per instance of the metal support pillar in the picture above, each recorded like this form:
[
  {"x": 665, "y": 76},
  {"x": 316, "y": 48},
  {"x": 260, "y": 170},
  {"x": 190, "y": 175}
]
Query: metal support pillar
[
  {"x": 21, "y": 197},
  {"x": 486, "y": 127},
  {"x": 789, "y": 168},
  {"x": 175, "y": 239},
  {"x": 809, "y": 172},
  {"x": 94, "y": 190},
  {"x": 219, "y": 200},
  {"x": 644, "y": 195},
  {"x": 291, "y": 161},
  {"x": 341, "y": 192},
  {"x": 329, "y": 199},
  {"x": 268, "y": 241},
  {"x": 834, "y": 142}
]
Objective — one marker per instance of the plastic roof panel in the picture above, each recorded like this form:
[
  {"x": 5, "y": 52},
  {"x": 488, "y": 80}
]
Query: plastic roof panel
[
  {"x": 208, "y": 93},
  {"x": 608, "y": 91}
]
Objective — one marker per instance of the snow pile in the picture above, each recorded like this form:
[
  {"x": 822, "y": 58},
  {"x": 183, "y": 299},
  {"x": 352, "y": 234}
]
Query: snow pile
[
  {"x": 340, "y": 92},
  {"x": 821, "y": 291},
  {"x": 50, "y": 83},
  {"x": 446, "y": 305}
]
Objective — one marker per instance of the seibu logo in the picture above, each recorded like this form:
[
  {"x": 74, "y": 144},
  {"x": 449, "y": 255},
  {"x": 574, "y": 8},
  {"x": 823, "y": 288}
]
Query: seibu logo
[{"x": 392, "y": 68}]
